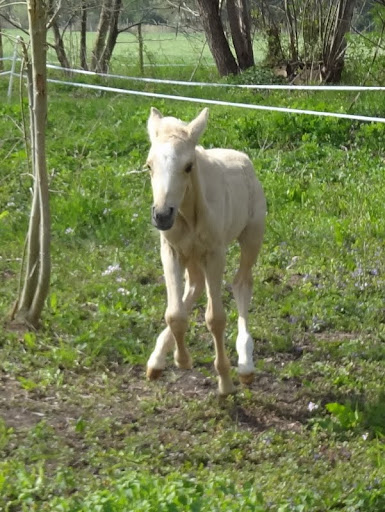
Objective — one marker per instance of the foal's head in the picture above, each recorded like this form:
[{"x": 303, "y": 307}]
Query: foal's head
[{"x": 171, "y": 160}]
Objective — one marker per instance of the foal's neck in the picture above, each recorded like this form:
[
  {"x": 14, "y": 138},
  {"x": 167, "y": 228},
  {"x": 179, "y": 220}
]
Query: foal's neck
[{"x": 193, "y": 205}]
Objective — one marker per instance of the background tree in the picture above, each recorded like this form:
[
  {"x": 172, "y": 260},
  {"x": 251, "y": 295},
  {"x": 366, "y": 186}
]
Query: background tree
[
  {"x": 316, "y": 33},
  {"x": 212, "y": 24},
  {"x": 334, "y": 40},
  {"x": 1, "y": 49},
  {"x": 240, "y": 25}
]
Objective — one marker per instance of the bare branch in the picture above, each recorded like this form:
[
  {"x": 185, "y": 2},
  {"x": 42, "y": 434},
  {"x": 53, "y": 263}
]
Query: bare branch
[
  {"x": 128, "y": 27},
  {"x": 374, "y": 43},
  {"x": 183, "y": 7},
  {"x": 54, "y": 15},
  {"x": 13, "y": 3},
  {"x": 14, "y": 23}
]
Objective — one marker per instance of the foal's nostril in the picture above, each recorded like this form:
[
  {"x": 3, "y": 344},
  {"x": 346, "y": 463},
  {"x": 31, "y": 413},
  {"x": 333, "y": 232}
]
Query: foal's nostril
[{"x": 163, "y": 219}]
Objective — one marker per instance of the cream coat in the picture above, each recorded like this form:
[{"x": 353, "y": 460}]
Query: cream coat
[{"x": 203, "y": 200}]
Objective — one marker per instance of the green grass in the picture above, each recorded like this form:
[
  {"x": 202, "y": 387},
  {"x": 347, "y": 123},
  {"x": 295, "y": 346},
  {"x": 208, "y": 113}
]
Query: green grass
[
  {"x": 81, "y": 429},
  {"x": 165, "y": 48}
]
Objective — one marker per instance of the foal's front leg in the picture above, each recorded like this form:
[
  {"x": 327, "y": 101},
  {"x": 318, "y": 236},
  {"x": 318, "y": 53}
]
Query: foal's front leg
[
  {"x": 176, "y": 317},
  {"x": 216, "y": 320}
]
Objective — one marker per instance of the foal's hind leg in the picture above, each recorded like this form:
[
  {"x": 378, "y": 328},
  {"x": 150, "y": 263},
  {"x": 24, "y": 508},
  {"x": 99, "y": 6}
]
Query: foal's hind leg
[
  {"x": 250, "y": 242},
  {"x": 166, "y": 341}
]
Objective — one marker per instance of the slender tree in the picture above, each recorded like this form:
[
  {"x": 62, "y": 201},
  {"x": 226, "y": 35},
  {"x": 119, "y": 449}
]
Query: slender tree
[
  {"x": 101, "y": 35},
  {"x": 112, "y": 37},
  {"x": 30, "y": 304},
  {"x": 58, "y": 36}
]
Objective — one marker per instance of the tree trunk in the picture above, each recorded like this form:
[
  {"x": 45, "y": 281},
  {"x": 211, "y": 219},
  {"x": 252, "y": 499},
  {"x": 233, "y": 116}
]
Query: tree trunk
[
  {"x": 216, "y": 39},
  {"x": 112, "y": 37},
  {"x": 32, "y": 264},
  {"x": 292, "y": 29},
  {"x": 334, "y": 44},
  {"x": 59, "y": 46},
  {"x": 102, "y": 30},
  {"x": 239, "y": 18},
  {"x": 1, "y": 50},
  {"x": 36, "y": 282},
  {"x": 83, "y": 36},
  {"x": 59, "y": 43}
]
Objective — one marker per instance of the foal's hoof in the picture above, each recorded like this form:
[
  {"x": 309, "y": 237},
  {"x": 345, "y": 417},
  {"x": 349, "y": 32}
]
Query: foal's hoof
[
  {"x": 153, "y": 373},
  {"x": 227, "y": 392},
  {"x": 246, "y": 378},
  {"x": 184, "y": 363},
  {"x": 226, "y": 387}
]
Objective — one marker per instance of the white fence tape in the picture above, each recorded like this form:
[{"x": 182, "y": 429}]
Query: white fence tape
[
  {"x": 215, "y": 102},
  {"x": 283, "y": 87},
  {"x": 5, "y": 73},
  {"x": 239, "y": 86},
  {"x": 218, "y": 102}
]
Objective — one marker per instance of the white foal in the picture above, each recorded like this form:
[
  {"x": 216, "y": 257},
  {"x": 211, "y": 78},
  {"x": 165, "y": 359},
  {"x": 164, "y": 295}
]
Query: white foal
[{"x": 203, "y": 199}]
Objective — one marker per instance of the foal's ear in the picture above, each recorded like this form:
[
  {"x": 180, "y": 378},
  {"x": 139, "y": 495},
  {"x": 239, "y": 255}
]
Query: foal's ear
[
  {"x": 153, "y": 123},
  {"x": 198, "y": 125}
]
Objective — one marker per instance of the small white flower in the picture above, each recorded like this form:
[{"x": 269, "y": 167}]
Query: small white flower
[
  {"x": 106, "y": 211},
  {"x": 312, "y": 406},
  {"x": 69, "y": 231},
  {"x": 120, "y": 279},
  {"x": 135, "y": 215},
  {"x": 123, "y": 291},
  {"x": 365, "y": 436},
  {"x": 111, "y": 269},
  {"x": 10, "y": 203}
]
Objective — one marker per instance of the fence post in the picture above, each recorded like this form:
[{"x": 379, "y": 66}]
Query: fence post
[
  {"x": 1, "y": 50},
  {"x": 13, "y": 66},
  {"x": 140, "y": 41}
]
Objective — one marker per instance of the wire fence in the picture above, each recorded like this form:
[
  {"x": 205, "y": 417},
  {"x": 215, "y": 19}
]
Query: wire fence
[{"x": 206, "y": 101}]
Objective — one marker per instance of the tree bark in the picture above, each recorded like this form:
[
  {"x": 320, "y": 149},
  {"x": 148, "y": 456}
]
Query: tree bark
[
  {"x": 59, "y": 43},
  {"x": 112, "y": 37},
  {"x": 334, "y": 45},
  {"x": 32, "y": 263},
  {"x": 36, "y": 282},
  {"x": 59, "y": 46},
  {"x": 216, "y": 39},
  {"x": 292, "y": 29},
  {"x": 83, "y": 36},
  {"x": 102, "y": 30},
  {"x": 239, "y": 18}
]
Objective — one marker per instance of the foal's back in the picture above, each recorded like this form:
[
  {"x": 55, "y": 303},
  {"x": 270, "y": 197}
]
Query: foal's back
[{"x": 232, "y": 188}]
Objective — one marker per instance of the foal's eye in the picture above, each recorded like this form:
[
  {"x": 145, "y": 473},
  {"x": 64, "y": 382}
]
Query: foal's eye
[{"x": 188, "y": 168}]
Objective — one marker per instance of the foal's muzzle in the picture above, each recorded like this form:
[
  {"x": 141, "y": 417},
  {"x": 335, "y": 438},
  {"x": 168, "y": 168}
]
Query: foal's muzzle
[{"x": 162, "y": 219}]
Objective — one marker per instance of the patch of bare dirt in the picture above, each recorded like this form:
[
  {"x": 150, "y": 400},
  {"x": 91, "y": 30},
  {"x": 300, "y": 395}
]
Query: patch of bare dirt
[{"x": 118, "y": 402}]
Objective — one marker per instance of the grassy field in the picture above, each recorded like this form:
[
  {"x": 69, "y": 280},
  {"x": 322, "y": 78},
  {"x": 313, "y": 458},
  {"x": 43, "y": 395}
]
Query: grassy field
[
  {"x": 81, "y": 429},
  {"x": 160, "y": 47}
]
